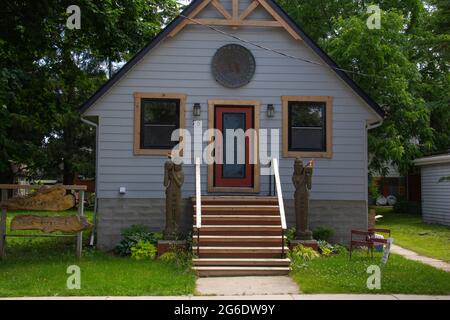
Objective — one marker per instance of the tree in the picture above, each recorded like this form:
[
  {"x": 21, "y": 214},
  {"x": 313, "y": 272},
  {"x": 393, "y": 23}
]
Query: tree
[
  {"x": 48, "y": 71},
  {"x": 403, "y": 66},
  {"x": 433, "y": 56},
  {"x": 316, "y": 17},
  {"x": 380, "y": 58}
]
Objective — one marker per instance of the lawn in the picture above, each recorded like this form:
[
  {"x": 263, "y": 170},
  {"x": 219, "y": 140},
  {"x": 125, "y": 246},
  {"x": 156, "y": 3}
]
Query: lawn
[
  {"x": 38, "y": 266},
  {"x": 338, "y": 274},
  {"x": 410, "y": 232}
]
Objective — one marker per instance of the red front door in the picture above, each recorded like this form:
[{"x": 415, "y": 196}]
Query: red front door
[{"x": 233, "y": 172}]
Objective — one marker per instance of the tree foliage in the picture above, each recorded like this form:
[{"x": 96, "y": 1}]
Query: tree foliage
[
  {"x": 48, "y": 71},
  {"x": 404, "y": 66}
]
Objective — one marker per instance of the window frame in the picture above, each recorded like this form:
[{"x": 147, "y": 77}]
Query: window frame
[
  {"x": 328, "y": 127},
  {"x": 138, "y": 97}
]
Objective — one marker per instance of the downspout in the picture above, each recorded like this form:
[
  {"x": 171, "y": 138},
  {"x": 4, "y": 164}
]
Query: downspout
[{"x": 94, "y": 216}]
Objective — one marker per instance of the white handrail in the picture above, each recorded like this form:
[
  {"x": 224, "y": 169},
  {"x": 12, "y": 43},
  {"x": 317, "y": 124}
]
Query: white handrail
[
  {"x": 276, "y": 172},
  {"x": 198, "y": 194}
]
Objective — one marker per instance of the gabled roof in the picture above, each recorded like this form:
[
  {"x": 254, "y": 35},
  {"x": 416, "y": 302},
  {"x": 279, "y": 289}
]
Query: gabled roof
[
  {"x": 436, "y": 159},
  {"x": 195, "y": 5}
]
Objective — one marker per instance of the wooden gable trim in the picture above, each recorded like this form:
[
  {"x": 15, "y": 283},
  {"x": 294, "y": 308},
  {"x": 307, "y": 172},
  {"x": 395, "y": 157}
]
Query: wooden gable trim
[
  {"x": 221, "y": 9},
  {"x": 249, "y": 10},
  {"x": 278, "y": 18},
  {"x": 185, "y": 21},
  {"x": 235, "y": 9},
  {"x": 235, "y": 19},
  {"x": 238, "y": 23}
]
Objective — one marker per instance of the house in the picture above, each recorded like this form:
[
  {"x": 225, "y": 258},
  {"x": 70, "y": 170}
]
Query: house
[
  {"x": 231, "y": 64},
  {"x": 435, "y": 188}
]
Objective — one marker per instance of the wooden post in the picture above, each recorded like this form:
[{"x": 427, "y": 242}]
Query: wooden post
[
  {"x": 80, "y": 214},
  {"x": 3, "y": 226}
]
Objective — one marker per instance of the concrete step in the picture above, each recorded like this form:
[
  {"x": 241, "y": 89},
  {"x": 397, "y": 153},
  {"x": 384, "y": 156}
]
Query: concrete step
[
  {"x": 216, "y": 262},
  {"x": 236, "y": 209},
  {"x": 240, "y": 271},
  {"x": 239, "y": 241},
  {"x": 239, "y": 219},
  {"x": 237, "y": 230},
  {"x": 240, "y": 252}
]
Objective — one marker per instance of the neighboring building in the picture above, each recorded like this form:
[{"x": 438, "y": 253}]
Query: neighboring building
[
  {"x": 392, "y": 184},
  {"x": 320, "y": 112},
  {"x": 435, "y": 189},
  {"x": 404, "y": 188}
]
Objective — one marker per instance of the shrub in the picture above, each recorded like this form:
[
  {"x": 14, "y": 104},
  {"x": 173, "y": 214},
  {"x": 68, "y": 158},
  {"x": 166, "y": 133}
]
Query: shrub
[
  {"x": 168, "y": 257},
  {"x": 132, "y": 235},
  {"x": 339, "y": 249},
  {"x": 325, "y": 248},
  {"x": 180, "y": 259},
  {"x": 143, "y": 250},
  {"x": 135, "y": 229},
  {"x": 290, "y": 234},
  {"x": 322, "y": 233},
  {"x": 300, "y": 256}
]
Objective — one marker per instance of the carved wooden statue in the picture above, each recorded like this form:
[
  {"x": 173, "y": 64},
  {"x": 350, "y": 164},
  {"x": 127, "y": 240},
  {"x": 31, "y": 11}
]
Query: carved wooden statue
[
  {"x": 302, "y": 180},
  {"x": 173, "y": 180}
]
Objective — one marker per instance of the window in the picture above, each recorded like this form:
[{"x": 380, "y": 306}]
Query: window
[
  {"x": 157, "y": 116},
  {"x": 307, "y": 127},
  {"x": 307, "y": 130}
]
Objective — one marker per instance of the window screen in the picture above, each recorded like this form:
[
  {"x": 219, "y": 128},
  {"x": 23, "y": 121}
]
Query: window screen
[
  {"x": 159, "y": 118},
  {"x": 307, "y": 126}
]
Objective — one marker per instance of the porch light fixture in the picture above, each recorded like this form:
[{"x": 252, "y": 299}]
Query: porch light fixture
[
  {"x": 197, "y": 110},
  {"x": 270, "y": 111}
]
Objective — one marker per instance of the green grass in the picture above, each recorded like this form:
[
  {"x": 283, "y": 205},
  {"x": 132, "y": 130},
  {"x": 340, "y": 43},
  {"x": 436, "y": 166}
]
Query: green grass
[
  {"x": 37, "y": 267},
  {"x": 406, "y": 231},
  {"x": 338, "y": 274}
]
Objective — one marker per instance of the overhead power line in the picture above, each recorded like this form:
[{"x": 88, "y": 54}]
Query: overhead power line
[{"x": 283, "y": 53}]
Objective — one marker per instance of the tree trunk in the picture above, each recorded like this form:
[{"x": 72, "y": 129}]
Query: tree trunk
[{"x": 68, "y": 175}]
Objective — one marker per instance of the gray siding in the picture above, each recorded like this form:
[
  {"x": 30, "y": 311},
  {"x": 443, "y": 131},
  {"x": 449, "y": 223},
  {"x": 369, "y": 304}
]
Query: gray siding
[
  {"x": 182, "y": 65},
  {"x": 435, "y": 195}
]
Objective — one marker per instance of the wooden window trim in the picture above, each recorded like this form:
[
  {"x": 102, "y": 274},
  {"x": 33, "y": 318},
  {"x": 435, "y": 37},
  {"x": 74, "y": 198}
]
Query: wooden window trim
[
  {"x": 256, "y": 168},
  {"x": 138, "y": 96},
  {"x": 328, "y": 154}
]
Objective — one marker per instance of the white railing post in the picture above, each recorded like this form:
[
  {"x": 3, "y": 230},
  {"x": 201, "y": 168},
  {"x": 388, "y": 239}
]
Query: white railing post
[
  {"x": 276, "y": 172},
  {"x": 198, "y": 194}
]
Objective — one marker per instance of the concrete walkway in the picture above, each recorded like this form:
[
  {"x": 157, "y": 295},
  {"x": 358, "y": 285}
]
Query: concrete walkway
[
  {"x": 263, "y": 297},
  {"x": 411, "y": 255},
  {"x": 246, "y": 286}
]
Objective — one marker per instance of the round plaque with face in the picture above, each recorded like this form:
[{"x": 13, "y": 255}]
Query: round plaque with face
[{"x": 233, "y": 66}]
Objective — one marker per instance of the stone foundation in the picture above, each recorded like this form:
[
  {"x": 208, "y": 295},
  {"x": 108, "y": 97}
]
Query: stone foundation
[
  {"x": 340, "y": 216},
  {"x": 116, "y": 214}
]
